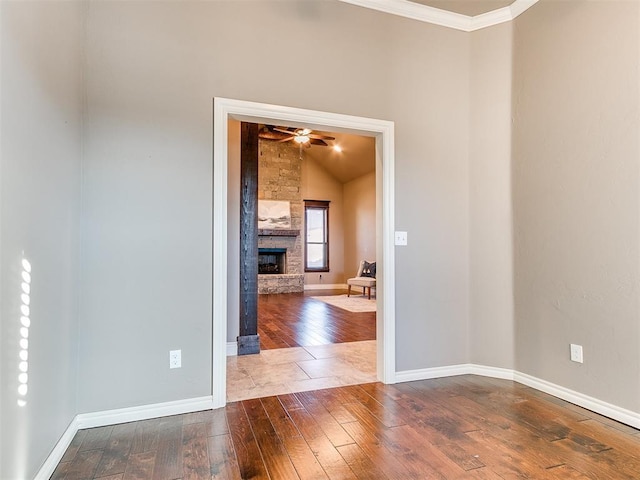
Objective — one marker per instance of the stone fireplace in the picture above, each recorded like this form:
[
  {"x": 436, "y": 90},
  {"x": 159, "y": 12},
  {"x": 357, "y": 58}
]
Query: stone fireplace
[{"x": 279, "y": 178}]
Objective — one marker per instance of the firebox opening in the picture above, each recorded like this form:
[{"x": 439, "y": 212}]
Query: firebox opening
[{"x": 272, "y": 261}]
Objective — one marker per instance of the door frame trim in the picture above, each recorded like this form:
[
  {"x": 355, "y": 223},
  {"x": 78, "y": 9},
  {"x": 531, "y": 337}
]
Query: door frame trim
[{"x": 383, "y": 132}]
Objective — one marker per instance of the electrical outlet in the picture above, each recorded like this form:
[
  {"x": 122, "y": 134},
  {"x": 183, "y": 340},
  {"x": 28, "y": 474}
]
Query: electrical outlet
[
  {"x": 576, "y": 353},
  {"x": 175, "y": 358}
]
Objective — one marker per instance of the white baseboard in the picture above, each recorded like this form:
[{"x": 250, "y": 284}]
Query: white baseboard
[
  {"x": 232, "y": 349},
  {"x": 143, "y": 412},
  {"x": 428, "y": 373},
  {"x": 326, "y": 286},
  {"x": 493, "y": 372},
  {"x": 609, "y": 410},
  {"x": 620, "y": 414},
  {"x": 52, "y": 461}
]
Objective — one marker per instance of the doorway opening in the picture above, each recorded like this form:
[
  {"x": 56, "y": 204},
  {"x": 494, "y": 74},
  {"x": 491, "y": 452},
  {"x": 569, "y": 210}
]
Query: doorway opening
[
  {"x": 315, "y": 224},
  {"x": 226, "y": 110}
]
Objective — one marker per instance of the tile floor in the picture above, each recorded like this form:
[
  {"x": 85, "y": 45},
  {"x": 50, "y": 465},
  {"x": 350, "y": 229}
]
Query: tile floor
[{"x": 300, "y": 369}]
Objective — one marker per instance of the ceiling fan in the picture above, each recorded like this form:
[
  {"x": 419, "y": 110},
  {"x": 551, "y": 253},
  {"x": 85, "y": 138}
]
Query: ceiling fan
[{"x": 302, "y": 136}]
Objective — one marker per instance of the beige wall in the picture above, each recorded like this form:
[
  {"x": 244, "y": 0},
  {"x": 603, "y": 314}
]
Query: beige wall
[
  {"x": 318, "y": 184},
  {"x": 576, "y": 194},
  {"x": 359, "y": 221},
  {"x": 40, "y": 175},
  {"x": 490, "y": 248}
]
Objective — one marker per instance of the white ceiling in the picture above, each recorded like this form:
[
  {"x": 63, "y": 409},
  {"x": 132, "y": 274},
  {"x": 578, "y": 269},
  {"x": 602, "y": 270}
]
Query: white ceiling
[{"x": 466, "y": 7}]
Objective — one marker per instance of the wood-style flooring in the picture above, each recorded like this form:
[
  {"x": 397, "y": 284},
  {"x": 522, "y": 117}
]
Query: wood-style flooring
[
  {"x": 297, "y": 320},
  {"x": 464, "y": 427}
]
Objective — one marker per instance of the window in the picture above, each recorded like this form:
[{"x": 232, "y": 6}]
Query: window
[{"x": 316, "y": 222}]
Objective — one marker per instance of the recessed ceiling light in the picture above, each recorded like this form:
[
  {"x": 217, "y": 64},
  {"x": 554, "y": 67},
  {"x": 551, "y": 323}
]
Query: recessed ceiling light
[{"x": 337, "y": 148}]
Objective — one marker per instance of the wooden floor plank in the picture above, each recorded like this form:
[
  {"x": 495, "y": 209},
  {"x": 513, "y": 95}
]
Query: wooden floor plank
[
  {"x": 96, "y": 438},
  {"x": 359, "y": 463},
  {"x": 372, "y": 444},
  {"x": 429, "y": 460},
  {"x": 146, "y": 436},
  {"x": 327, "y": 455},
  {"x": 334, "y": 400},
  {"x": 222, "y": 458},
  {"x": 84, "y": 464},
  {"x": 274, "y": 454},
  {"x": 216, "y": 422},
  {"x": 246, "y": 448},
  {"x": 168, "y": 463},
  {"x": 330, "y": 426},
  {"x": 195, "y": 452},
  {"x": 116, "y": 452},
  {"x": 301, "y": 455},
  {"x": 140, "y": 466}
]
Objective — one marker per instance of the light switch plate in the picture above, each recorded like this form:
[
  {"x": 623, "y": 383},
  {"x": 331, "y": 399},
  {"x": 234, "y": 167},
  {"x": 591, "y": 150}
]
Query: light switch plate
[{"x": 401, "y": 238}]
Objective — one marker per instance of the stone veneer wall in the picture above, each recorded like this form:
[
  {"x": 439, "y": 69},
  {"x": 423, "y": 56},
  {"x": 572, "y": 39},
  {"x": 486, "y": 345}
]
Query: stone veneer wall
[{"x": 279, "y": 178}]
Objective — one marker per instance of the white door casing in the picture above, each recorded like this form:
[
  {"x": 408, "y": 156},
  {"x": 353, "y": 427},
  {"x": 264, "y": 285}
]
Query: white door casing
[{"x": 383, "y": 131}]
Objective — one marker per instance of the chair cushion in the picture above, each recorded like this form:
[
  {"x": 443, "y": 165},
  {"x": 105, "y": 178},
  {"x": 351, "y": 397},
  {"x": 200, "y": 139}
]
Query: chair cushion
[{"x": 362, "y": 281}]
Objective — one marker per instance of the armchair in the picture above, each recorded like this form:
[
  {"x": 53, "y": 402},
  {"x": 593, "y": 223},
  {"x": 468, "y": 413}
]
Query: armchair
[{"x": 365, "y": 278}]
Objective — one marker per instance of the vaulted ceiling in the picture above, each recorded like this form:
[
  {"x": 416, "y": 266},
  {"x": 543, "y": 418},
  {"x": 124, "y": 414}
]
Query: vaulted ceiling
[
  {"x": 345, "y": 158},
  {"x": 356, "y": 158}
]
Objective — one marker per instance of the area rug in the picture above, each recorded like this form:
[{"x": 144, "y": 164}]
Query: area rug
[{"x": 351, "y": 304}]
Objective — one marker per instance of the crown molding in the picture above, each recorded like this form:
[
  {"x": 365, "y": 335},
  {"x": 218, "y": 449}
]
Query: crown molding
[{"x": 445, "y": 18}]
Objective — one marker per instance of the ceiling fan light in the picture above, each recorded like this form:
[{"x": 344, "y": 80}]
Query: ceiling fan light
[{"x": 301, "y": 139}]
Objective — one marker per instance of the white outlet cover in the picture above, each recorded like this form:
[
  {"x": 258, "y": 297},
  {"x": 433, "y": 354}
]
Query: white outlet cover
[
  {"x": 576, "y": 353},
  {"x": 175, "y": 359}
]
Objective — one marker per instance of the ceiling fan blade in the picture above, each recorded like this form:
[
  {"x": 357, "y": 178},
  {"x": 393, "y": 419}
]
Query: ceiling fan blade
[
  {"x": 320, "y": 137},
  {"x": 286, "y": 139},
  {"x": 287, "y": 130},
  {"x": 317, "y": 141},
  {"x": 267, "y": 134}
]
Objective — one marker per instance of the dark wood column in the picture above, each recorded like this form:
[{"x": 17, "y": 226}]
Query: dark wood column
[{"x": 249, "y": 340}]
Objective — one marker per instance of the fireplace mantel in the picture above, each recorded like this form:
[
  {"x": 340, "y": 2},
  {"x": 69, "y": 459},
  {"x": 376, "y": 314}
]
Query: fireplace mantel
[{"x": 281, "y": 232}]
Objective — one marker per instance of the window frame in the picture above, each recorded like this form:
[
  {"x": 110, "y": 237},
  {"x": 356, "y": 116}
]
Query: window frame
[{"x": 322, "y": 205}]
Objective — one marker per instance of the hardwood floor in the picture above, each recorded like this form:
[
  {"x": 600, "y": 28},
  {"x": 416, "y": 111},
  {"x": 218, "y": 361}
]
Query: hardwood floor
[
  {"x": 297, "y": 320},
  {"x": 463, "y": 427}
]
